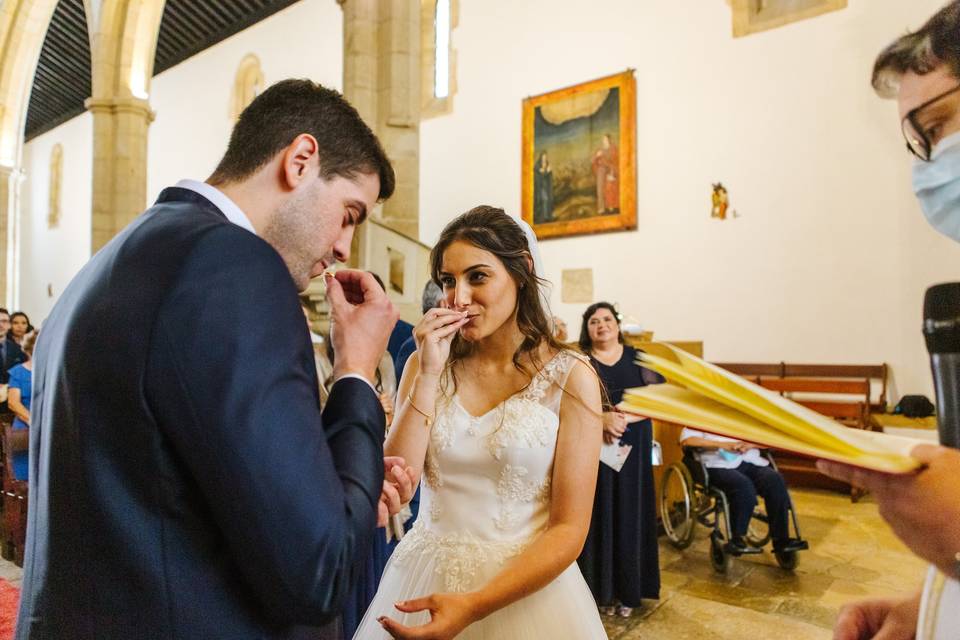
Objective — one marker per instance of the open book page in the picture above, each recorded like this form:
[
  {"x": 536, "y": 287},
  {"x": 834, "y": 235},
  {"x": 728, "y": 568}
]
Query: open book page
[{"x": 721, "y": 402}]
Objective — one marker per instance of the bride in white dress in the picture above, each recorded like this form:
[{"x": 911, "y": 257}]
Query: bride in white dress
[{"x": 505, "y": 426}]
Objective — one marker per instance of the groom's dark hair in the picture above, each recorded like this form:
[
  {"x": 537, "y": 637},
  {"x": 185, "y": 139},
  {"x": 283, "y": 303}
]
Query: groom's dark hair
[{"x": 289, "y": 108}]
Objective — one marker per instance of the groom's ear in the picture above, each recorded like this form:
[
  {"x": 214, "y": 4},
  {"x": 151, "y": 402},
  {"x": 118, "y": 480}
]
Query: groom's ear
[{"x": 300, "y": 161}]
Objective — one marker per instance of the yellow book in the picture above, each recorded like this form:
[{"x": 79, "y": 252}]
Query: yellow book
[{"x": 710, "y": 398}]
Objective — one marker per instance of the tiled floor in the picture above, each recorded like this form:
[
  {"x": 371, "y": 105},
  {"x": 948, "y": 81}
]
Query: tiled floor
[
  {"x": 852, "y": 555},
  {"x": 10, "y": 572}
]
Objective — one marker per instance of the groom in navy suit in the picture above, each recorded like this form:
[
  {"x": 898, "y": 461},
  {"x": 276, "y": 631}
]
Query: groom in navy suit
[{"x": 183, "y": 483}]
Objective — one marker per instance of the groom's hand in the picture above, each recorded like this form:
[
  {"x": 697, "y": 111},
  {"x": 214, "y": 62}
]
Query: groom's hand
[
  {"x": 363, "y": 317},
  {"x": 398, "y": 487}
]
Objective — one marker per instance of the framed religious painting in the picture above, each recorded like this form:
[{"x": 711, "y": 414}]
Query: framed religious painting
[
  {"x": 751, "y": 16},
  {"x": 580, "y": 158}
]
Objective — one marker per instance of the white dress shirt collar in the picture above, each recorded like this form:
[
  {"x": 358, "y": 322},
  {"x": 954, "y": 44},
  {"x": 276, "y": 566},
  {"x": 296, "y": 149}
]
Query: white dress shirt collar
[{"x": 220, "y": 200}]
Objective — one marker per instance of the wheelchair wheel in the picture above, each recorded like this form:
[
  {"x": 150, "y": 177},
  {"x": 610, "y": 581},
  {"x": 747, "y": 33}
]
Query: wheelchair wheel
[
  {"x": 788, "y": 560},
  {"x": 677, "y": 500},
  {"x": 719, "y": 558},
  {"x": 758, "y": 532}
]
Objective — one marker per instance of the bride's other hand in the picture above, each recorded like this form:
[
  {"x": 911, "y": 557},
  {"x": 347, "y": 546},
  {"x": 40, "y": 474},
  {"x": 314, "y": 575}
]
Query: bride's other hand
[
  {"x": 398, "y": 487},
  {"x": 450, "y": 613},
  {"x": 433, "y": 335}
]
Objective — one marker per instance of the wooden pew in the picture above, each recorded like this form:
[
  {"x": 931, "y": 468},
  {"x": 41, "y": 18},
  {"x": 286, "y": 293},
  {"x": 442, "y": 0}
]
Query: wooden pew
[
  {"x": 14, "y": 529},
  {"x": 841, "y": 392}
]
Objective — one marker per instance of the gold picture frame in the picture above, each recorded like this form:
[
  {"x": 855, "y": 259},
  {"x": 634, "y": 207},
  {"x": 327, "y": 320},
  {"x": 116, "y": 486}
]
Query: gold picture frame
[
  {"x": 753, "y": 16},
  {"x": 579, "y": 164}
]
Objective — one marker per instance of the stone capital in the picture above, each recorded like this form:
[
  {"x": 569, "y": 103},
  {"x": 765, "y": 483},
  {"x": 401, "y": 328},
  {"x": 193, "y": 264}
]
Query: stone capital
[
  {"x": 128, "y": 105},
  {"x": 9, "y": 173}
]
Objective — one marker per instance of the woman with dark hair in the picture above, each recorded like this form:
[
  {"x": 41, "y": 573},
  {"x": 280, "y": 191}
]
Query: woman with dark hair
[
  {"x": 620, "y": 560},
  {"x": 18, "y": 400},
  {"x": 505, "y": 426},
  {"x": 19, "y": 327}
]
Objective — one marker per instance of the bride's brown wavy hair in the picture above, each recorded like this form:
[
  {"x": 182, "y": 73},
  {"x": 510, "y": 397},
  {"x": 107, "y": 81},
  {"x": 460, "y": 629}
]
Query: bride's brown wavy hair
[{"x": 491, "y": 229}]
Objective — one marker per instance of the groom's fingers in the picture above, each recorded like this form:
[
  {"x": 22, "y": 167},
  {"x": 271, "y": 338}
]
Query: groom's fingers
[{"x": 383, "y": 514}]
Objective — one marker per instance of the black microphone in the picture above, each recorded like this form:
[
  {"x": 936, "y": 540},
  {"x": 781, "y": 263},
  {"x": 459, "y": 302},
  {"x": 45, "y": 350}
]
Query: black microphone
[{"x": 941, "y": 328}]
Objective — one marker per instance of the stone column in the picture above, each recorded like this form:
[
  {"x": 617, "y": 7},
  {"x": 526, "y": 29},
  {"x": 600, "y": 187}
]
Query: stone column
[
  {"x": 119, "y": 164},
  {"x": 10, "y": 180},
  {"x": 381, "y": 78}
]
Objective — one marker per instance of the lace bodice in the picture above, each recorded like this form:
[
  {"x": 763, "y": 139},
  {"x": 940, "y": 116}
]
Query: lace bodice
[{"x": 486, "y": 488}]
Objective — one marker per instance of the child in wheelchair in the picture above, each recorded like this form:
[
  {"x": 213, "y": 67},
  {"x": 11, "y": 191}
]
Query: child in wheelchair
[{"x": 741, "y": 472}]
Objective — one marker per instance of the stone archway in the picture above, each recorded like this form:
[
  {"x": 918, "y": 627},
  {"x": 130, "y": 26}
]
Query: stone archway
[
  {"x": 124, "y": 42},
  {"x": 23, "y": 26}
]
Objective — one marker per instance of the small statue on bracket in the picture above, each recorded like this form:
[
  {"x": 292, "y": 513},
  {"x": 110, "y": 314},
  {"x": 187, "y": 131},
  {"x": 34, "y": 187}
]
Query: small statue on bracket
[{"x": 720, "y": 201}]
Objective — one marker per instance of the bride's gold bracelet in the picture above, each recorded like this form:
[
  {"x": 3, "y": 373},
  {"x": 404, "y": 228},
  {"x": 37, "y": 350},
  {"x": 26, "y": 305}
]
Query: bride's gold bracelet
[{"x": 427, "y": 417}]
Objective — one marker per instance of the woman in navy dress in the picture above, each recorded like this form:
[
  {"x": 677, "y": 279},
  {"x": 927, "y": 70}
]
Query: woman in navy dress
[{"x": 620, "y": 560}]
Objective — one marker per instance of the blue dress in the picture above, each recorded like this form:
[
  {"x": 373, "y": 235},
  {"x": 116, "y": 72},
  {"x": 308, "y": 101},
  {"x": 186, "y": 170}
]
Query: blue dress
[{"x": 21, "y": 378}]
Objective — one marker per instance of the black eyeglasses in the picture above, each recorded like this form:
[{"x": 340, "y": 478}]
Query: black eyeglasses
[{"x": 918, "y": 141}]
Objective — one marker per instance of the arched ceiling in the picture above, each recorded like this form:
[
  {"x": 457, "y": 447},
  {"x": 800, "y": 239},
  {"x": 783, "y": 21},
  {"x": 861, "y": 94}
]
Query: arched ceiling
[{"x": 62, "y": 81}]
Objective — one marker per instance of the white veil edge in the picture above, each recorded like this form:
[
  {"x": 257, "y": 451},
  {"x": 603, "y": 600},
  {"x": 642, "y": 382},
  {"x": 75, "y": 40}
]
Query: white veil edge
[{"x": 538, "y": 269}]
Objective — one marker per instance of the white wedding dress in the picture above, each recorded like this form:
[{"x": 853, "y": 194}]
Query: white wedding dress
[{"x": 485, "y": 497}]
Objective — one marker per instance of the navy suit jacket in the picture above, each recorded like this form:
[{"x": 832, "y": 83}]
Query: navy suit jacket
[{"x": 182, "y": 481}]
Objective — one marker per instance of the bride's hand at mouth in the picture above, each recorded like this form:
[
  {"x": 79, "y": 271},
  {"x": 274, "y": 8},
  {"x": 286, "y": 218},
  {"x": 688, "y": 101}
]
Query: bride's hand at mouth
[
  {"x": 433, "y": 335},
  {"x": 450, "y": 613}
]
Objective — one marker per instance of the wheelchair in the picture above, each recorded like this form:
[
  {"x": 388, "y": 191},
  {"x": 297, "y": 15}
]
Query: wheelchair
[{"x": 687, "y": 497}]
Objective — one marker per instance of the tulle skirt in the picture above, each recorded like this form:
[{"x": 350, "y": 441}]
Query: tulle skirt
[{"x": 563, "y": 610}]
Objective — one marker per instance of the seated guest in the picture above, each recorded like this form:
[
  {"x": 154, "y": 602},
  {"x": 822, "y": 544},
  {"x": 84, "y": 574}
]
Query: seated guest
[
  {"x": 739, "y": 470},
  {"x": 10, "y": 352},
  {"x": 432, "y": 295},
  {"x": 19, "y": 327},
  {"x": 18, "y": 398},
  {"x": 620, "y": 560}
]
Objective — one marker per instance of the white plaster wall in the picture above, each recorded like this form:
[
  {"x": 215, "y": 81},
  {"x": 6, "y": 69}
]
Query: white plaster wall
[
  {"x": 192, "y": 99},
  {"x": 51, "y": 257},
  {"x": 190, "y": 133},
  {"x": 830, "y": 257}
]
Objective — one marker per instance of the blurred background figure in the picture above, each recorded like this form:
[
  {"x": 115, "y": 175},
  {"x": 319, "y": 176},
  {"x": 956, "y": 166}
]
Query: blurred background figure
[{"x": 560, "y": 329}]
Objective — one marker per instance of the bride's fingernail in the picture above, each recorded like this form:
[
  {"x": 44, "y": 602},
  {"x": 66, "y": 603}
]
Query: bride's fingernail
[
  {"x": 399, "y": 604},
  {"x": 381, "y": 620}
]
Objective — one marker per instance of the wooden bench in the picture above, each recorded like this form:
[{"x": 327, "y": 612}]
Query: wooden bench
[
  {"x": 15, "y": 494},
  {"x": 841, "y": 392}
]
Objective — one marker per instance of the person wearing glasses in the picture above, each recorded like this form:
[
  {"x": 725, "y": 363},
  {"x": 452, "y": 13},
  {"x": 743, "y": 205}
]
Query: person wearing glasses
[{"x": 922, "y": 71}]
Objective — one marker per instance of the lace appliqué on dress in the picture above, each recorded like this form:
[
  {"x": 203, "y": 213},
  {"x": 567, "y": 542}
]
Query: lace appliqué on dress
[
  {"x": 512, "y": 488},
  {"x": 441, "y": 433},
  {"x": 458, "y": 556},
  {"x": 526, "y": 422}
]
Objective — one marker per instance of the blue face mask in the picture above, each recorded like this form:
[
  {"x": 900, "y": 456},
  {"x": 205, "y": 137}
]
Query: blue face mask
[{"x": 937, "y": 185}]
